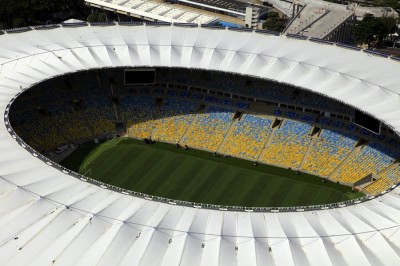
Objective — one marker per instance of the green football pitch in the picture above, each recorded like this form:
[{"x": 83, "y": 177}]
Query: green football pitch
[{"x": 191, "y": 175}]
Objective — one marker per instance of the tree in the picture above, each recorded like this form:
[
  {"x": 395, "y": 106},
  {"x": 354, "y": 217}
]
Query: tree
[
  {"x": 388, "y": 25},
  {"x": 102, "y": 17},
  {"x": 365, "y": 30},
  {"x": 372, "y": 30},
  {"x": 389, "y": 3},
  {"x": 96, "y": 17},
  {"x": 274, "y": 22},
  {"x": 36, "y": 12},
  {"x": 18, "y": 23},
  {"x": 92, "y": 17}
]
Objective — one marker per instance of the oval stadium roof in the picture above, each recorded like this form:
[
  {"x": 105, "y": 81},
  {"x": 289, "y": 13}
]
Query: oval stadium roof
[{"x": 49, "y": 217}]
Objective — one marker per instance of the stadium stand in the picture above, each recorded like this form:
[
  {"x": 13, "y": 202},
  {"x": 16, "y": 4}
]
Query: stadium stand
[
  {"x": 288, "y": 145},
  {"x": 371, "y": 158},
  {"x": 205, "y": 119},
  {"x": 386, "y": 180},
  {"x": 248, "y": 137},
  {"x": 139, "y": 113},
  {"x": 176, "y": 116},
  {"x": 72, "y": 125},
  {"x": 254, "y": 88},
  {"x": 100, "y": 115},
  {"x": 328, "y": 151},
  {"x": 209, "y": 129},
  {"x": 38, "y": 131}
]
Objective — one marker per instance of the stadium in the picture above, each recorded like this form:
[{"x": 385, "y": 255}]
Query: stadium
[{"x": 303, "y": 105}]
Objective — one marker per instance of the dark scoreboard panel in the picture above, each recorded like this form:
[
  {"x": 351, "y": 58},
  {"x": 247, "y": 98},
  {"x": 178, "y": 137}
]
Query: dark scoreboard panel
[
  {"x": 367, "y": 122},
  {"x": 140, "y": 76}
]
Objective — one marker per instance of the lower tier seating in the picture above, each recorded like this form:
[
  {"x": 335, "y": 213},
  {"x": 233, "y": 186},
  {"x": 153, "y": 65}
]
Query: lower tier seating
[
  {"x": 209, "y": 129},
  {"x": 176, "y": 117},
  {"x": 288, "y": 144},
  {"x": 248, "y": 138},
  {"x": 328, "y": 151},
  {"x": 100, "y": 116},
  {"x": 139, "y": 112},
  {"x": 371, "y": 158},
  {"x": 386, "y": 180}
]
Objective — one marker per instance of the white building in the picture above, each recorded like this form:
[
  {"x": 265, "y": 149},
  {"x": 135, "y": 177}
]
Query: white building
[
  {"x": 152, "y": 11},
  {"x": 252, "y": 17}
]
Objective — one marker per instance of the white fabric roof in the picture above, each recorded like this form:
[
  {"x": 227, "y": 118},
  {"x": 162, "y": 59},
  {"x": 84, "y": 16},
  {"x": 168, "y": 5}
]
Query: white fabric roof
[{"x": 47, "y": 216}]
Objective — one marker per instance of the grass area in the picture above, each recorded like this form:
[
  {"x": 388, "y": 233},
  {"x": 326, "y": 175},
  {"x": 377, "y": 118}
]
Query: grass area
[{"x": 163, "y": 170}]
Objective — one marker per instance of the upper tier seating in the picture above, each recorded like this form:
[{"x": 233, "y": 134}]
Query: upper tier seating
[{"x": 253, "y": 88}]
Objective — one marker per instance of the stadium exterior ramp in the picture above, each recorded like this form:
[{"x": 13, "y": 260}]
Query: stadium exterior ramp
[{"x": 48, "y": 216}]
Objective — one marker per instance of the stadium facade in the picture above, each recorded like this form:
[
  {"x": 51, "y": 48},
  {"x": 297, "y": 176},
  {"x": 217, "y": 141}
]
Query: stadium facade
[{"x": 48, "y": 216}]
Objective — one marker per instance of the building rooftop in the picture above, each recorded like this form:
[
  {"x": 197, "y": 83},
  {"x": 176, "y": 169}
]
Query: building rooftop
[
  {"x": 223, "y": 4},
  {"x": 153, "y": 10}
]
